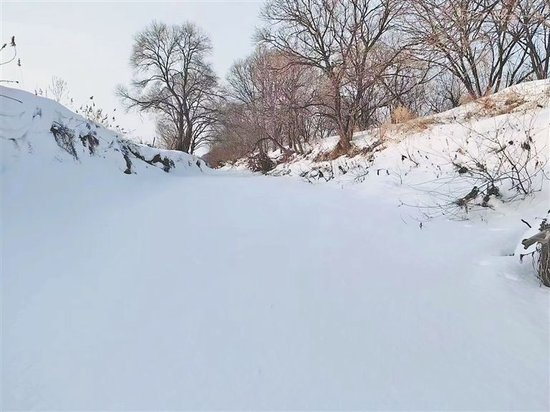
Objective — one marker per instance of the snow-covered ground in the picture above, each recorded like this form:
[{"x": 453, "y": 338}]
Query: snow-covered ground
[
  {"x": 413, "y": 161},
  {"x": 222, "y": 290}
]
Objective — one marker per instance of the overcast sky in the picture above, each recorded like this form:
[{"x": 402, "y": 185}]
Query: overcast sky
[{"x": 88, "y": 43}]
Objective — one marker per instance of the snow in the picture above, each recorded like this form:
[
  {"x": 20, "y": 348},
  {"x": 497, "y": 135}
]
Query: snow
[
  {"x": 25, "y": 124},
  {"x": 207, "y": 290},
  {"x": 415, "y": 157}
]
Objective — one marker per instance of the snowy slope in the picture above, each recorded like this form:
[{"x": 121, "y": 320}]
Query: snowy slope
[
  {"x": 224, "y": 291},
  {"x": 415, "y": 164},
  {"x": 38, "y": 130},
  {"x": 406, "y": 158}
]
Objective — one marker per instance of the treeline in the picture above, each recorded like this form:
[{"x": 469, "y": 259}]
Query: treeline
[{"x": 324, "y": 67}]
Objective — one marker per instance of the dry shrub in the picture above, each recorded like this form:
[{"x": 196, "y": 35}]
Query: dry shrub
[
  {"x": 260, "y": 162},
  {"x": 465, "y": 99},
  {"x": 64, "y": 137},
  {"x": 222, "y": 153},
  {"x": 487, "y": 103},
  {"x": 331, "y": 154},
  {"x": 500, "y": 163},
  {"x": 334, "y": 154},
  {"x": 418, "y": 125},
  {"x": 385, "y": 130},
  {"x": 513, "y": 100},
  {"x": 401, "y": 114}
]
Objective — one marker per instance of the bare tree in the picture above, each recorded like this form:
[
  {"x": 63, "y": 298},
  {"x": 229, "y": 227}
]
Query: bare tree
[
  {"x": 486, "y": 44},
  {"x": 59, "y": 89},
  {"x": 270, "y": 105},
  {"x": 337, "y": 38},
  {"x": 532, "y": 25},
  {"x": 279, "y": 97},
  {"x": 173, "y": 80}
]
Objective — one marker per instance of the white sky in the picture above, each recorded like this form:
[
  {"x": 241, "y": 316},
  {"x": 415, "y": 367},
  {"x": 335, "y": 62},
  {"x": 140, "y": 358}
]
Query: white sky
[{"x": 88, "y": 43}]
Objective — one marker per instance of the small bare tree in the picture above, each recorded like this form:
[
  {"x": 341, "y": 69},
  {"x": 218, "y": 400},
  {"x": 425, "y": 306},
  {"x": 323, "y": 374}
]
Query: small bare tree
[
  {"x": 59, "y": 89},
  {"x": 173, "y": 79}
]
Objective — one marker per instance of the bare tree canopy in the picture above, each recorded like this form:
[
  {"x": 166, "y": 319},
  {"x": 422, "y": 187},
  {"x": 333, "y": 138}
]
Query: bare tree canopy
[
  {"x": 173, "y": 80},
  {"x": 486, "y": 44},
  {"x": 340, "y": 38},
  {"x": 532, "y": 20},
  {"x": 334, "y": 67}
]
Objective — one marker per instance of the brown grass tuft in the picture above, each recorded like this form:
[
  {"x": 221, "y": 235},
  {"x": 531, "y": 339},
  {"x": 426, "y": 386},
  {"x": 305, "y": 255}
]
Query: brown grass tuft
[{"x": 402, "y": 115}]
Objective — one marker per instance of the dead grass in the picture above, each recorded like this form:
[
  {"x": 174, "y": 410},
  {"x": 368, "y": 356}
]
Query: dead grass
[
  {"x": 488, "y": 104},
  {"x": 492, "y": 106},
  {"x": 334, "y": 153},
  {"x": 465, "y": 99},
  {"x": 418, "y": 125},
  {"x": 513, "y": 101},
  {"x": 415, "y": 125},
  {"x": 402, "y": 115}
]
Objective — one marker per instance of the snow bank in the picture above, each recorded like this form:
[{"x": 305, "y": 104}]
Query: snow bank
[
  {"x": 37, "y": 130},
  {"x": 419, "y": 161},
  {"x": 426, "y": 166}
]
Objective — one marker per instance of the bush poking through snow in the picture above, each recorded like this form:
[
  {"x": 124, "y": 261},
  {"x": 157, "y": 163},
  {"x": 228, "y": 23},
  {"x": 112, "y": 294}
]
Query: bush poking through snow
[
  {"x": 167, "y": 163},
  {"x": 502, "y": 163},
  {"x": 260, "y": 162},
  {"x": 64, "y": 138},
  {"x": 90, "y": 141}
]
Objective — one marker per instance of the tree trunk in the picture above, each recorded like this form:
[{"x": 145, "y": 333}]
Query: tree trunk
[
  {"x": 187, "y": 140},
  {"x": 544, "y": 264},
  {"x": 543, "y": 238},
  {"x": 344, "y": 144}
]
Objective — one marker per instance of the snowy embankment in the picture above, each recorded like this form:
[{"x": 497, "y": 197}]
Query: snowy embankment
[
  {"x": 433, "y": 161},
  {"x": 36, "y": 129},
  {"x": 220, "y": 291}
]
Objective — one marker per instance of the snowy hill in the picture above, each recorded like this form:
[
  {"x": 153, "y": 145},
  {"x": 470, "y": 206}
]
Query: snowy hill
[
  {"x": 453, "y": 147},
  {"x": 38, "y": 130},
  {"x": 232, "y": 291}
]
